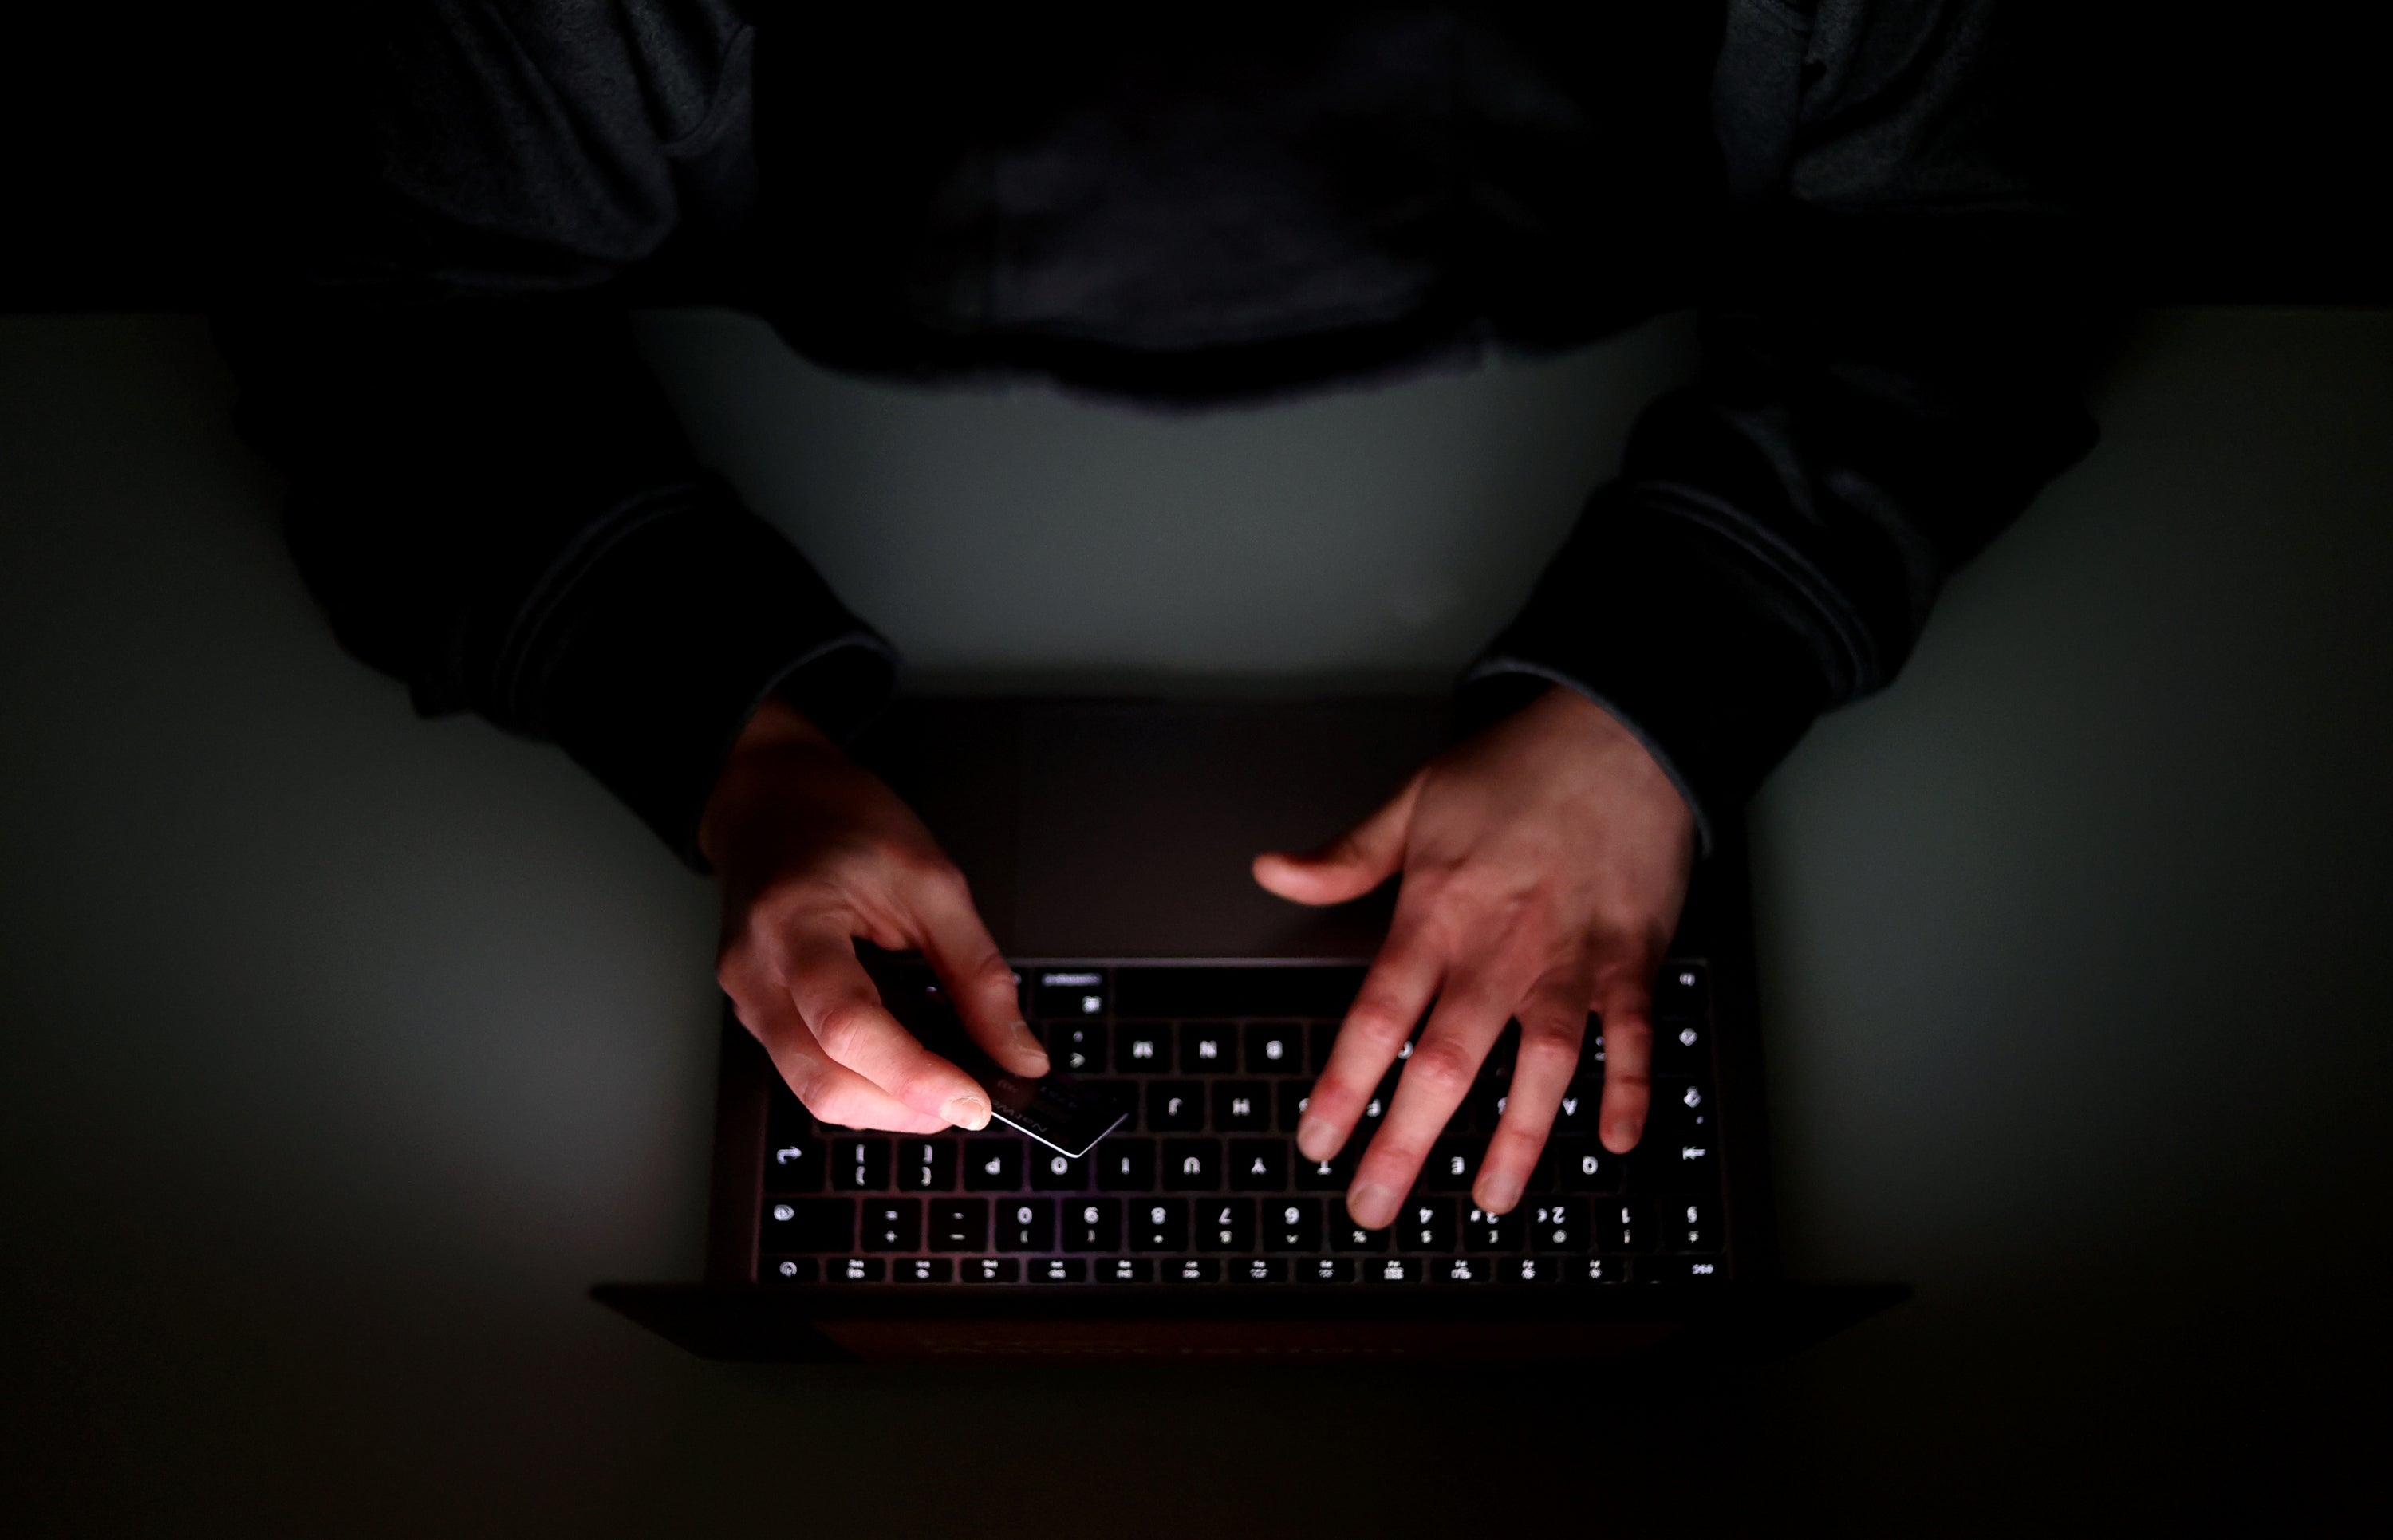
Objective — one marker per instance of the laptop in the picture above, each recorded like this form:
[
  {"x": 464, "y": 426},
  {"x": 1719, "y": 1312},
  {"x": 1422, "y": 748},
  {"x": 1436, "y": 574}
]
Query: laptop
[{"x": 1107, "y": 846}]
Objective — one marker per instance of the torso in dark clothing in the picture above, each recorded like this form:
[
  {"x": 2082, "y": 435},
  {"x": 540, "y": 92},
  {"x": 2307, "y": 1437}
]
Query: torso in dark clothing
[{"x": 1230, "y": 202}]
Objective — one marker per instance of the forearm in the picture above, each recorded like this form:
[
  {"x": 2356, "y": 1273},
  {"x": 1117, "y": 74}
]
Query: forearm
[{"x": 493, "y": 503}]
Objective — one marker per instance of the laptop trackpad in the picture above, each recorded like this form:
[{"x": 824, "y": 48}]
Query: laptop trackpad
[{"x": 1137, "y": 822}]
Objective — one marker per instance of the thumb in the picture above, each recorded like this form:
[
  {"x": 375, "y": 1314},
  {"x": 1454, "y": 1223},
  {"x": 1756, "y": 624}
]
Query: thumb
[{"x": 1350, "y": 866}]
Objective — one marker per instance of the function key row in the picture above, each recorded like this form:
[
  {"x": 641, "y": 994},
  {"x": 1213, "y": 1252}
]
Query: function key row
[
  {"x": 1677, "y": 1152},
  {"x": 783, "y": 1271}
]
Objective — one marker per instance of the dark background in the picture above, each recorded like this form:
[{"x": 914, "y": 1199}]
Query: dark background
[
  {"x": 2213, "y": 153},
  {"x": 339, "y": 1052}
]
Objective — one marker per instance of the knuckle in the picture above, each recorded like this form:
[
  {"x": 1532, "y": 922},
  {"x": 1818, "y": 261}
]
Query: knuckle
[
  {"x": 1397, "y": 1154},
  {"x": 845, "y": 1028},
  {"x": 1442, "y": 1067},
  {"x": 1378, "y": 1022},
  {"x": 1338, "y": 1100},
  {"x": 913, "y": 1079},
  {"x": 809, "y": 1085},
  {"x": 1552, "y": 1031},
  {"x": 1551, "y": 1056},
  {"x": 1522, "y": 1128},
  {"x": 1514, "y": 1148},
  {"x": 790, "y": 901},
  {"x": 992, "y": 971},
  {"x": 741, "y": 957},
  {"x": 843, "y": 1106},
  {"x": 1630, "y": 1032},
  {"x": 927, "y": 866}
]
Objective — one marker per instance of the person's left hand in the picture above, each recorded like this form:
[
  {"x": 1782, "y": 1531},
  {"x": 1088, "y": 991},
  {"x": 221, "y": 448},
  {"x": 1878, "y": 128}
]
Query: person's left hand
[{"x": 1544, "y": 863}]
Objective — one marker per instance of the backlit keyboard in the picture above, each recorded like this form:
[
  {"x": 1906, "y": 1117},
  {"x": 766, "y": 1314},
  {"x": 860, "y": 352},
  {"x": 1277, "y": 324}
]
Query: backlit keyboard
[{"x": 1202, "y": 1186}]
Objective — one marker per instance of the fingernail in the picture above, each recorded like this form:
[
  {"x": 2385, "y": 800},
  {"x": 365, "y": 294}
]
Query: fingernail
[
  {"x": 966, "y": 1112},
  {"x": 1502, "y": 1193},
  {"x": 1371, "y": 1204},
  {"x": 1314, "y": 1139}
]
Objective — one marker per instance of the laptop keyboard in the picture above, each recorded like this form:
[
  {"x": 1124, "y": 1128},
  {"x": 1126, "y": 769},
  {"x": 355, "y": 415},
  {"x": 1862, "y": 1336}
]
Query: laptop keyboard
[{"x": 1202, "y": 1186}]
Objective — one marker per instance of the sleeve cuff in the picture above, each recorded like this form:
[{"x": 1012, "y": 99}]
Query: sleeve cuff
[
  {"x": 671, "y": 632},
  {"x": 1676, "y": 632},
  {"x": 1498, "y": 684}
]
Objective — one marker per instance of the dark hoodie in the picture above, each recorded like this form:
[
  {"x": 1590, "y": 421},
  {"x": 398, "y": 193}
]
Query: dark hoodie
[{"x": 494, "y": 502}]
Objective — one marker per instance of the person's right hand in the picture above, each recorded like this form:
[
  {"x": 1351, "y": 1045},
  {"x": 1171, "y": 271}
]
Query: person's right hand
[{"x": 811, "y": 851}]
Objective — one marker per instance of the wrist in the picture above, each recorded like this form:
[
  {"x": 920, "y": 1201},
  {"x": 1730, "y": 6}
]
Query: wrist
[
  {"x": 775, "y": 723},
  {"x": 1613, "y": 741},
  {"x": 775, "y": 731}
]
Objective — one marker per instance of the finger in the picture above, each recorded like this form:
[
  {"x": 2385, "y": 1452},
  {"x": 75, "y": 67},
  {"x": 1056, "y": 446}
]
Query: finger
[
  {"x": 1350, "y": 866},
  {"x": 843, "y": 1009},
  {"x": 1625, "y": 999},
  {"x": 1554, "y": 1021},
  {"x": 1394, "y": 992},
  {"x": 1471, "y": 1012},
  {"x": 948, "y": 931},
  {"x": 832, "y": 1092}
]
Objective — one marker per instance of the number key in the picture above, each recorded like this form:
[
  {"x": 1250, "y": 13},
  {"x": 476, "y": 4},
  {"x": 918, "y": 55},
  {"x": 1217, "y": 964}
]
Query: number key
[
  {"x": 859, "y": 1165},
  {"x": 1053, "y": 1171},
  {"x": 1425, "y": 1224},
  {"x": 1486, "y": 1232},
  {"x": 1292, "y": 1225},
  {"x": 1227, "y": 1224},
  {"x": 1159, "y": 1224},
  {"x": 1093, "y": 1224},
  {"x": 1623, "y": 1227},
  {"x": 1025, "y": 1224},
  {"x": 1585, "y": 1166},
  {"x": 1558, "y": 1225},
  {"x": 1346, "y": 1235},
  {"x": 926, "y": 1164}
]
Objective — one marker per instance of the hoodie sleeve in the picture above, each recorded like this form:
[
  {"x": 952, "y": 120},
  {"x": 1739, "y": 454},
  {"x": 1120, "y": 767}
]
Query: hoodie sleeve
[
  {"x": 1891, "y": 371},
  {"x": 488, "y": 493}
]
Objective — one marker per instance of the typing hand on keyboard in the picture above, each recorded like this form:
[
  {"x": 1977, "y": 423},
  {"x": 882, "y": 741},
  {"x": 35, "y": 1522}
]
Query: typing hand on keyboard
[
  {"x": 1544, "y": 863},
  {"x": 810, "y": 852}
]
